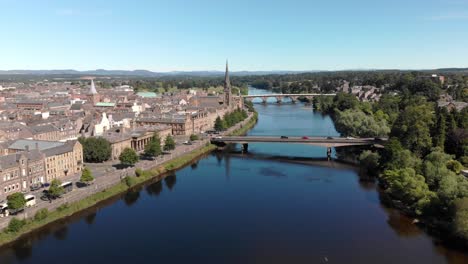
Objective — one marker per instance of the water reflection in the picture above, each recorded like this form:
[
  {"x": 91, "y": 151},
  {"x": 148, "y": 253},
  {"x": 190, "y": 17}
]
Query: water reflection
[
  {"x": 89, "y": 219},
  {"x": 132, "y": 196},
  {"x": 23, "y": 250},
  {"x": 155, "y": 188},
  {"x": 194, "y": 165},
  {"x": 61, "y": 233},
  {"x": 170, "y": 181}
]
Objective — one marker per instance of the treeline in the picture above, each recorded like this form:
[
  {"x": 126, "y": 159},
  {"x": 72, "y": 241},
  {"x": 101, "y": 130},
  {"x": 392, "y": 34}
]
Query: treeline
[
  {"x": 230, "y": 119},
  {"x": 420, "y": 165},
  {"x": 414, "y": 82}
]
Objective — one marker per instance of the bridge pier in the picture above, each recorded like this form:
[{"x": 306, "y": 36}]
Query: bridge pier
[
  {"x": 245, "y": 148},
  {"x": 329, "y": 153},
  {"x": 264, "y": 100},
  {"x": 279, "y": 100}
]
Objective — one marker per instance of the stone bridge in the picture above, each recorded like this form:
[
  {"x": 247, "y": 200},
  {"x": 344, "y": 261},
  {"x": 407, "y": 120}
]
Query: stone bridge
[{"x": 280, "y": 97}]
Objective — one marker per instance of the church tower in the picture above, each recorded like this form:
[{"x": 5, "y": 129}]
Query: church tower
[
  {"x": 227, "y": 88},
  {"x": 93, "y": 95}
]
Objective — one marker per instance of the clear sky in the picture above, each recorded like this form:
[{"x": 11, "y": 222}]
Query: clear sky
[{"x": 166, "y": 35}]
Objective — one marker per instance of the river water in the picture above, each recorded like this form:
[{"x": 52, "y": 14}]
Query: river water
[{"x": 276, "y": 204}]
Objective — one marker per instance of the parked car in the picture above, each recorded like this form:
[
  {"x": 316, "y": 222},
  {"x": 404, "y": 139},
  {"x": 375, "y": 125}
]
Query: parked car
[
  {"x": 329, "y": 137},
  {"x": 284, "y": 137},
  {"x": 36, "y": 187},
  {"x": 218, "y": 137},
  {"x": 304, "y": 137},
  {"x": 187, "y": 143}
]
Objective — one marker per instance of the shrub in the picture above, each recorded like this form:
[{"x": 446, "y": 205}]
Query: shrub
[
  {"x": 138, "y": 172},
  {"x": 454, "y": 166},
  {"x": 15, "y": 225},
  {"x": 41, "y": 214},
  {"x": 130, "y": 181},
  {"x": 62, "y": 207},
  {"x": 193, "y": 137}
]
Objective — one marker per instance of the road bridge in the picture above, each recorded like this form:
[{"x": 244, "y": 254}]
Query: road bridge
[
  {"x": 328, "y": 142},
  {"x": 279, "y": 97}
]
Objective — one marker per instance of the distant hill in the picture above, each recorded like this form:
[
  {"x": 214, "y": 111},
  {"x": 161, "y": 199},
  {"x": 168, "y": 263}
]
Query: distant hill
[
  {"x": 146, "y": 73},
  {"x": 142, "y": 73}
]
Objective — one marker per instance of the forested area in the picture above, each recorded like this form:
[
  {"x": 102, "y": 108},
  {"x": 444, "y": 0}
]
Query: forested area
[{"x": 427, "y": 149}]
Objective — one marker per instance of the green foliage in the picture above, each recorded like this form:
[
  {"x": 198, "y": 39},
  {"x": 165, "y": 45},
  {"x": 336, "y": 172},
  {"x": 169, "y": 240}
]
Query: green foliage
[
  {"x": 219, "y": 125},
  {"x": 128, "y": 157},
  {"x": 354, "y": 122},
  {"x": 410, "y": 188},
  {"x": 41, "y": 214},
  {"x": 15, "y": 225},
  {"x": 324, "y": 104},
  {"x": 130, "y": 181},
  {"x": 370, "y": 161},
  {"x": 169, "y": 144},
  {"x": 63, "y": 207},
  {"x": 55, "y": 190},
  {"x": 460, "y": 222},
  {"x": 390, "y": 106},
  {"x": 16, "y": 201},
  {"x": 230, "y": 119},
  {"x": 153, "y": 148},
  {"x": 193, "y": 137},
  {"x": 86, "y": 175},
  {"x": 454, "y": 166},
  {"x": 95, "y": 149},
  {"x": 345, "y": 101},
  {"x": 413, "y": 127},
  {"x": 138, "y": 172},
  {"x": 435, "y": 167}
]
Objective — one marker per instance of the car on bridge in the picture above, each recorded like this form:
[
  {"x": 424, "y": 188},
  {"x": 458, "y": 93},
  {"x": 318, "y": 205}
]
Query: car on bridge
[
  {"x": 284, "y": 137},
  {"x": 305, "y": 137},
  {"x": 329, "y": 137}
]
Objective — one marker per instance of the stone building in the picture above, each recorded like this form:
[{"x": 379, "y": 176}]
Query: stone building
[
  {"x": 20, "y": 170},
  {"x": 62, "y": 159}
]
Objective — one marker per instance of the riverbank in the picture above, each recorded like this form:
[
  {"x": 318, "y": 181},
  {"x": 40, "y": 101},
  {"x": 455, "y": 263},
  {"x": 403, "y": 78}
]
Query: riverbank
[{"x": 66, "y": 210}]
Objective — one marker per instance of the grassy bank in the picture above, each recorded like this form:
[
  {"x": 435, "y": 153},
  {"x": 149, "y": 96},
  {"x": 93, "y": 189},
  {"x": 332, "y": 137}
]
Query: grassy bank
[
  {"x": 243, "y": 130},
  {"x": 66, "y": 210}
]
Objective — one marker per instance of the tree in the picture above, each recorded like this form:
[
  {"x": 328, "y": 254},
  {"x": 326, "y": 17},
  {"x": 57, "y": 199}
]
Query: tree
[
  {"x": 55, "y": 189},
  {"x": 86, "y": 175},
  {"x": 441, "y": 128},
  {"x": 413, "y": 127},
  {"x": 396, "y": 157},
  {"x": 16, "y": 201},
  {"x": 220, "y": 124},
  {"x": 193, "y": 137},
  {"x": 454, "y": 166},
  {"x": 169, "y": 144},
  {"x": 370, "y": 161},
  {"x": 354, "y": 122},
  {"x": 153, "y": 148},
  {"x": 460, "y": 222},
  {"x": 410, "y": 188},
  {"x": 96, "y": 149},
  {"x": 128, "y": 157}
]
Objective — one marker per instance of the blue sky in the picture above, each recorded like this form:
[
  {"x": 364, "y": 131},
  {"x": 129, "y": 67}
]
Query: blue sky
[{"x": 166, "y": 35}]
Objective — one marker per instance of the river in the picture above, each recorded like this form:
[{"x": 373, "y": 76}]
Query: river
[{"x": 276, "y": 204}]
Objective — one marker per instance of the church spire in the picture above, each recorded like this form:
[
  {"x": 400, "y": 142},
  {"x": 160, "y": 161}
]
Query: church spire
[
  {"x": 226, "y": 77},
  {"x": 92, "y": 89},
  {"x": 227, "y": 88}
]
